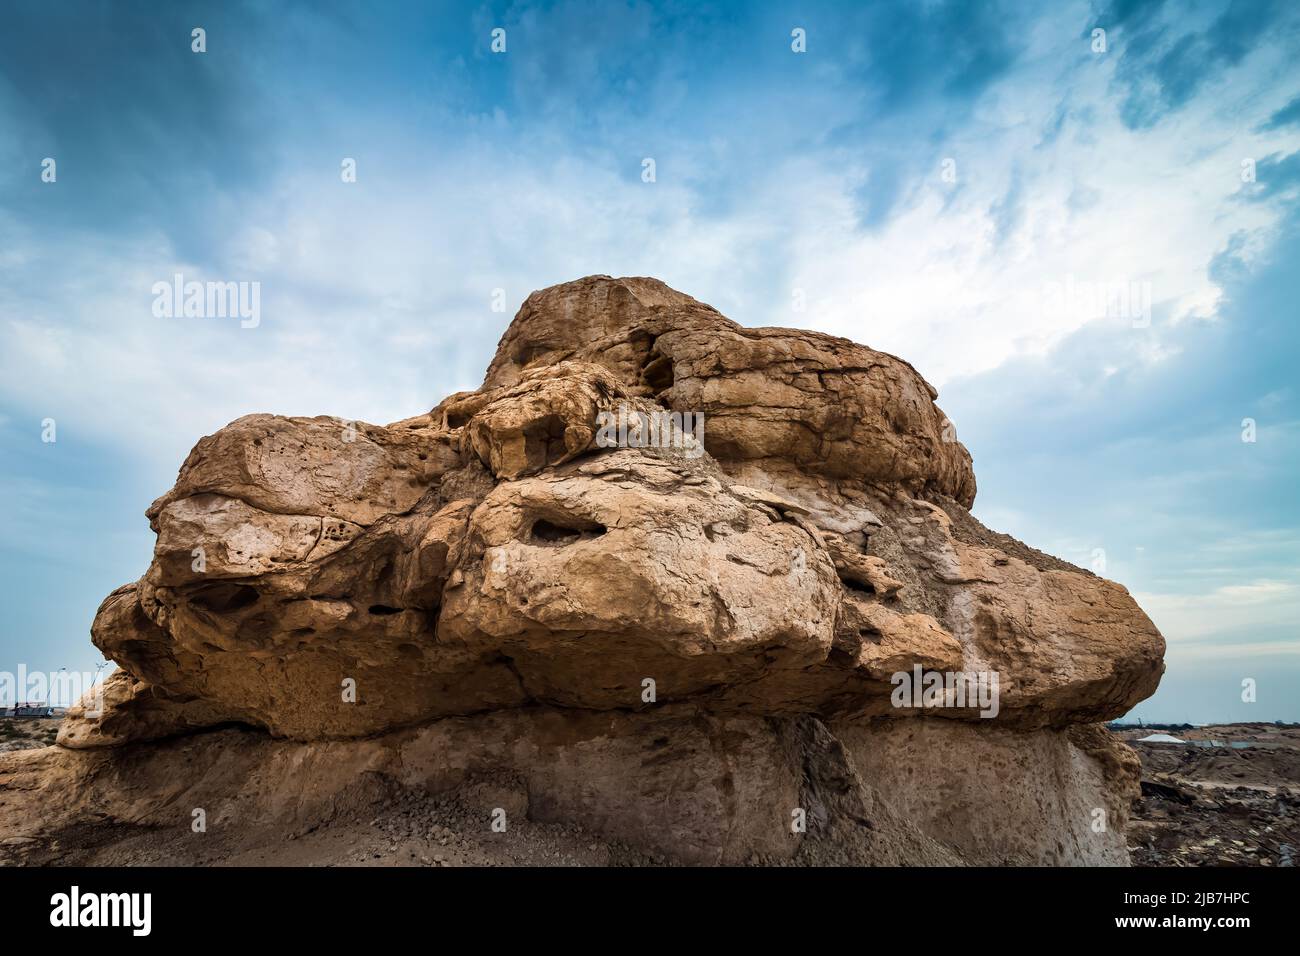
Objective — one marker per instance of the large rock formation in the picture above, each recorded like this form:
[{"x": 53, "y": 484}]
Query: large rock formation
[{"x": 685, "y": 646}]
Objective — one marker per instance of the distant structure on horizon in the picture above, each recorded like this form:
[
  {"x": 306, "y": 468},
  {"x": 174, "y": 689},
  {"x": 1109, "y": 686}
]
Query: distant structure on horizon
[{"x": 34, "y": 708}]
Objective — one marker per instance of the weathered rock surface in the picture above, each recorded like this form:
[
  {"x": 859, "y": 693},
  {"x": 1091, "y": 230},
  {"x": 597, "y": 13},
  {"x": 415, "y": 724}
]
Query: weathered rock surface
[{"x": 681, "y": 647}]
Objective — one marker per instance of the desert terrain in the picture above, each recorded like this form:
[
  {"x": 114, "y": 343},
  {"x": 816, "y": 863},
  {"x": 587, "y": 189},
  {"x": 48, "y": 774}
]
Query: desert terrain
[
  {"x": 1229, "y": 796},
  {"x": 23, "y": 733}
]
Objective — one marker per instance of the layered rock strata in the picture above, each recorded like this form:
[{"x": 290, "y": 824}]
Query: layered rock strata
[{"x": 692, "y": 648}]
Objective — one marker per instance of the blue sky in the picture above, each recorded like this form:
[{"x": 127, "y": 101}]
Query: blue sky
[{"x": 926, "y": 178}]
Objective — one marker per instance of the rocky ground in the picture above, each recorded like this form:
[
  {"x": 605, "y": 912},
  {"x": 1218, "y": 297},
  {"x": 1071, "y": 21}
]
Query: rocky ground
[
  {"x": 26, "y": 733},
  {"x": 1219, "y": 805},
  {"x": 1200, "y": 806}
]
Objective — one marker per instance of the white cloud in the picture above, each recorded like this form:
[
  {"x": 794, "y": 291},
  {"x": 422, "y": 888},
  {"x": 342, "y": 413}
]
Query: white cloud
[
  {"x": 1211, "y": 624},
  {"x": 939, "y": 285}
]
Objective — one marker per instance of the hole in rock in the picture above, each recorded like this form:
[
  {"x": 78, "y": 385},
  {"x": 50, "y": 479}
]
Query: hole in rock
[
  {"x": 526, "y": 352},
  {"x": 549, "y": 532},
  {"x": 381, "y": 609},
  {"x": 224, "y": 597},
  {"x": 858, "y": 586},
  {"x": 841, "y": 657},
  {"x": 544, "y": 440},
  {"x": 658, "y": 374}
]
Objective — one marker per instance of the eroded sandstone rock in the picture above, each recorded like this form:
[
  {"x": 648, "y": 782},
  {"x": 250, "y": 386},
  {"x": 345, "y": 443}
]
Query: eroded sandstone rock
[{"x": 328, "y": 581}]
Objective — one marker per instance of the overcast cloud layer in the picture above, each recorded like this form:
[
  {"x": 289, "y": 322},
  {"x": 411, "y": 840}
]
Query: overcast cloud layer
[{"x": 929, "y": 179}]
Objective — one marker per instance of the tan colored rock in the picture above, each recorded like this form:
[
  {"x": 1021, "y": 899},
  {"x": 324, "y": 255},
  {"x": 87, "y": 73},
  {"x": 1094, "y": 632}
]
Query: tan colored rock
[
  {"x": 771, "y": 499},
  {"x": 823, "y": 403},
  {"x": 696, "y": 787},
  {"x": 493, "y": 578},
  {"x": 595, "y": 578},
  {"x": 1068, "y": 641},
  {"x": 546, "y": 418},
  {"x": 896, "y": 643},
  {"x": 124, "y": 709},
  {"x": 1002, "y": 797},
  {"x": 865, "y": 570},
  {"x": 311, "y": 466}
]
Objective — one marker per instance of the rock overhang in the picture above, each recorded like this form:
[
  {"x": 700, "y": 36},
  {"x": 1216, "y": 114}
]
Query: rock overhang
[{"x": 491, "y": 553}]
